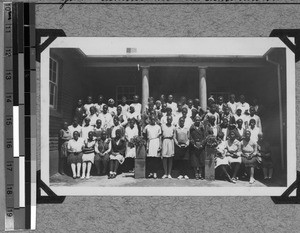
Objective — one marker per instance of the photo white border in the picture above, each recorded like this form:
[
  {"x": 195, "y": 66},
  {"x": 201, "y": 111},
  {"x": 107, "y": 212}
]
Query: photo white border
[{"x": 171, "y": 46}]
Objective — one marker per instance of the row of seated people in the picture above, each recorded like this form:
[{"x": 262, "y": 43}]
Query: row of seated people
[{"x": 158, "y": 131}]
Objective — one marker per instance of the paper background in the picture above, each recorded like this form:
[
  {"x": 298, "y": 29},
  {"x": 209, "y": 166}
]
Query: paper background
[{"x": 168, "y": 214}]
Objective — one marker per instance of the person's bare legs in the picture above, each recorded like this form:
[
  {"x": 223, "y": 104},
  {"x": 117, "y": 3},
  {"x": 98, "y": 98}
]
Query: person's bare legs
[
  {"x": 170, "y": 165},
  {"x": 236, "y": 169},
  {"x": 78, "y": 169},
  {"x": 89, "y": 166},
  {"x": 265, "y": 170},
  {"x": 270, "y": 173},
  {"x": 73, "y": 167},
  {"x": 252, "y": 175},
  {"x": 83, "y": 170},
  {"x": 165, "y": 165}
]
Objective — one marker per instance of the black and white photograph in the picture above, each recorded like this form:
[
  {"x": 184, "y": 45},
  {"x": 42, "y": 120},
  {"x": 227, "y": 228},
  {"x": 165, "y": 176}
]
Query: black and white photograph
[{"x": 167, "y": 116}]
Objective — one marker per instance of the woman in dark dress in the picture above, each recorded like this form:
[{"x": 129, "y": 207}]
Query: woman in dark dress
[
  {"x": 79, "y": 112},
  {"x": 197, "y": 141},
  {"x": 117, "y": 154}
]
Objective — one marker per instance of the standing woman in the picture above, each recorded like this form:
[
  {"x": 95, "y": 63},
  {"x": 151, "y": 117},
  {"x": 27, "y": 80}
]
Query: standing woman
[
  {"x": 181, "y": 139},
  {"x": 88, "y": 155},
  {"x": 75, "y": 147},
  {"x": 117, "y": 154},
  {"x": 168, "y": 131},
  {"x": 79, "y": 112},
  {"x": 152, "y": 133},
  {"x": 131, "y": 131},
  {"x": 197, "y": 141},
  {"x": 249, "y": 154},
  {"x": 64, "y": 137}
]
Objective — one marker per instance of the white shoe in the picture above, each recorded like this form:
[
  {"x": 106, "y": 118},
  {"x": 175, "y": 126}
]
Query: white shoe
[
  {"x": 180, "y": 177},
  {"x": 87, "y": 177},
  {"x": 186, "y": 177},
  {"x": 82, "y": 177},
  {"x": 164, "y": 177},
  {"x": 170, "y": 177},
  {"x": 154, "y": 175},
  {"x": 252, "y": 181}
]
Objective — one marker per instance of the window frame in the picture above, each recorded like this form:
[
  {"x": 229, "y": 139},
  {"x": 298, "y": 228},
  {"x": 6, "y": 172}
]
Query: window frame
[{"x": 54, "y": 106}]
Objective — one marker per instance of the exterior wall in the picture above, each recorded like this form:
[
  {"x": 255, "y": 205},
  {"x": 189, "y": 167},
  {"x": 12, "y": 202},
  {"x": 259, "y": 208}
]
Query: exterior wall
[{"x": 69, "y": 91}]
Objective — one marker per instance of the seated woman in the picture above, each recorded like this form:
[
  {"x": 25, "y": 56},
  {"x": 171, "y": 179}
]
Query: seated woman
[
  {"x": 221, "y": 160},
  {"x": 233, "y": 153},
  {"x": 131, "y": 131},
  {"x": 88, "y": 155},
  {"x": 264, "y": 151},
  {"x": 118, "y": 147},
  {"x": 102, "y": 149},
  {"x": 75, "y": 147},
  {"x": 249, "y": 154},
  {"x": 64, "y": 137}
]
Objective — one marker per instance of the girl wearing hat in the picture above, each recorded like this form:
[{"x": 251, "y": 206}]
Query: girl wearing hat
[{"x": 111, "y": 107}]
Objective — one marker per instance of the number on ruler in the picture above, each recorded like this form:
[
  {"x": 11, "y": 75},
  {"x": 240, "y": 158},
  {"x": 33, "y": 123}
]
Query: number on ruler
[
  {"x": 9, "y": 121},
  {"x": 7, "y": 28},
  {"x": 8, "y": 52},
  {"x": 9, "y": 190},
  {"x": 8, "y": 75},
  {"x": 9, "y": 144},
  {"x": 9, "y": 166},
  {"x": 9, "y": 212},
  {"x": 8, "y": 98}
]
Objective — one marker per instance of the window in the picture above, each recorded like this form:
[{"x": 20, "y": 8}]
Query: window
[
  {"x": 127, "y": 91},
  {"x": 53, "y": 82}
]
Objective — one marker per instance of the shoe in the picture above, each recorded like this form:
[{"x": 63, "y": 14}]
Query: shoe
[
  {"x": 197, "y": 176},
  {"x": 269, "y": 178},
  {"x": 186, "y": 177},
  {"x": 150, "y": 175},
  {"x": 170, "y": 177},
  {"x": 180, "y": 177},
  {"x": 201, "y": 177},
  {"x": 234, "y": 179},
  {"x": 82, "y": 177},
  {"x": 74, "y": 177},
  {"x": 155, "y": 176},
  {"x": 265, "y": 178},
  {"x": 78, "y": 176},
  {"x": 88, "y": 177},
  {"x": 231, "y": 180},
  {"x": 252, "y": 180},
  {"x": 164, "y": 177}
]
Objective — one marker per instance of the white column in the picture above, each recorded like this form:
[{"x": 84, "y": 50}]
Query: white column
[
  {"x": 145, "y": 87},
  {"x": 202, "y": 88}
]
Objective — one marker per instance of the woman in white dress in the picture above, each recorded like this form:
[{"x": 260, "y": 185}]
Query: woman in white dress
[
  {"x": 152, "y": 133},
  {"x": 131, "y": 131}
]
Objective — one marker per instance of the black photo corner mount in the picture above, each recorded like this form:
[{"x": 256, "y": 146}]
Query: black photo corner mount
[
  {"x": 283, "y": 35},
  {"x": 52, "y": 198},
  {"x": 52, "y": 34}
]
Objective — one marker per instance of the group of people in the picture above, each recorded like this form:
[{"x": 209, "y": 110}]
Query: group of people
[{"x": 102, "y": 134}]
